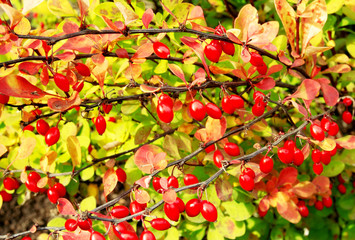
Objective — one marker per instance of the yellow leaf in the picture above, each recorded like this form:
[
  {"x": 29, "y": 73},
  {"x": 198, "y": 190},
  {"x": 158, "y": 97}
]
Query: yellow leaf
[
  {"x": 47, "y": 160},
  {"x": 23, "y": 27},
  {"x": 74, "y": 150},
  {"x": 14, "y": 15},
  {"x": 327, "y": 144},
  {"x": 26, "y": 148},
  {"x": 3, "y": 149},
  {"x": 61, "y": 8}
]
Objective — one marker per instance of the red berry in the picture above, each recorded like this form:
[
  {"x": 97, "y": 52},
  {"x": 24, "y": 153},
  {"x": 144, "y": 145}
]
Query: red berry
[
  {"x": 126, "y": 235},
  {"x": 11, "y": 183},
  {"x": 325, "y": 124},
  {"x": 213, "y": 111},
  {"x": 107, "y": 108},
  {"x": 327, "y": 201},
  {"x": 6, "y": 197},
  {"x": 228, "y": 48},
  {"x": 52, "y": 136},
  {"x": 256, "y": 59},
  {"x": 290, "y": 144},
  {"x": 333, "y": 152},
  {"x": 218, "y": 158},
  {"x": 173, "y": 182},
  {"x": 60, "y": 189},
  {"x": 208, "y": 211},
  {"x": 97, "y": 236},
  {"x": 84, "y": 224},
  {"x": 262, "y": 69},
  {"x": 317, "y": 168},
  {"x": 147, "y": 235},
  {"x": 317, "y": 132},
  {"x": 197, "y": 110},
  {"x": 319, "y": 205},
  {"x": 231, "y": 103},
  {"x": 232, "y": 149},
  {"x": 285, "y": 155},
  {"x": 246, "y": 182},
  {"x": 156, "y": 184},
  {"x": 166, "y": 100},
  {"x": 347, "y": 102},
  {"x": 165, "y": 113},
  {"x": 258, "y": 96},
  {"x": 26, "y": 238},
  {"x": 160, "y": 224},
  {"x": 266, "y": 164},
  {"x": 120, "y": 228},
  {"x": 36, "y": 112},
  {"x": 261, "y": 213},
  {"x": 316, "y": 154},
  {"x": 302, "y": 209},
  {"x": 347, "y": 117},
  {"x": 342, "y": 188},
  {"x": 32, "y": 180},
  {"x": 161, "y": 50},
  {"x": 219, "y": 30},
  {"x": 78, "y": 86},
  {"x": 172, "y": 211},
  {"x": 42, "y": 127},
  {"x": 4, "y": 99},
  {"x": 258, "y": 109},
  {"x": 333, "y": 129},
  {"x": 210, "y": 148},
  {"x": 62, "y": 82},
  {"x": 340, "y": 178},
  {"x": 29, "y": 128},
  {"x": 83, "y": 70},
  {"x": 135, "y": 207},
  {"x": 250, "y": 172},
  {"x": 193, "y": 207},
  {"x": 71, "y": 225},
  {"x": 298, "y": 157},
  {"x": 121, "y": 175},
  {"x": 325, "y": 157},
  {"x": 52, "y": 195},
  {"x": 119, "y": 211},
  {"x": 190, "y": 179},
  {"x": 180, "y": 204},
  {"x": 100, "y": 124},
  {"x": 213, "y": 51}
]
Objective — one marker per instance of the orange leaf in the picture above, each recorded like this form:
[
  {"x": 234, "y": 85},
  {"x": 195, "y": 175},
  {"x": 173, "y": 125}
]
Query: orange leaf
[
  {"x": 308, "y": 90},
  {"x": 147, "y": 17},
  {"x": 66, "y": 56},
  {"x": 287, "y": 208},
  {"x": 29, "y": 68},
  {"x": 347, "y": 142},
  {"x": 224, "y": 189},
  {"x": 149, "y": 158},
  {"x": 266, "y": 84},
  {"x": 304, "y": 189},
  {"x": 142, "y": 196},
  {"x": 215, "y": 128},
  {"x": 169, "y": 196},
  {"x": 61, "y": 105},
  {"x": 65, "y": 207},
  {"x": 247, "y": 21},
  {"x": 109, "y": 181},
  {"x": 145, "y": 50},
  {"x": 44, "y": 76},
  {"x": 287, "y": 175},
  {"x": 340, "y": 68},
  {"x": 322, "y": 184},
  {"x": 17, "y": 86},
  {"x": 177, "y": 72},
  {"x": 144, "y": 181}
]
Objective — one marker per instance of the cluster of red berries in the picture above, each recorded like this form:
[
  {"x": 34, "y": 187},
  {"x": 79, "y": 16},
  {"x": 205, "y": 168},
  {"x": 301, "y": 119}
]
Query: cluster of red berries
[
  {"x": 324, "y": 202},
  {"x": 347, "y": 116},
  {"x": 246, "y": 179},
  {"x": 230, "y": 148},
  {"x": 161, "y": 50},
  {"x": 258, "y": 108},
  {"x": 55, "y": 192},
  {"x": 51, "y": 135},
  {"x": 85, "y": 225},
  {"x": 321, "y": 157},
  {"x": 341, "y": 187},
  {"x": 165, "y": 108},
  {"x": 62, "y": 81},
  {"x": 213, "y": 50},
  {"x": 289, "y": 153},
  {"x": 195, "y": 206},
  {"x": 10, "y": 184},
  {"x": 257, "y": 61}
]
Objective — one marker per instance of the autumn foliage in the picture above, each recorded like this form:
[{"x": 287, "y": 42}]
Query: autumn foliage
[{"x": 176, "y": 121}]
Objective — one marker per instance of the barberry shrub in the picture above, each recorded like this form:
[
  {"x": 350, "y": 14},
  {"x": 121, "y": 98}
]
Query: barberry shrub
[{"x": 197, "y": 122}]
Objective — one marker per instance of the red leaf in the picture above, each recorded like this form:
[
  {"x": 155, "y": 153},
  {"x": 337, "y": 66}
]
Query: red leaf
[
  {"x": 44, "y": 76},
  {"x": 149, "y": 158},
  {"x": 347, "y": 142},
  {"x": 5, "y": 47},
  {"x": 340, "y": 68},
  {"x": 266, "y": 84},
  {"x": 147, "y": 17},
  {"x": 300, "y": 108},
  {"x": 169, "y": 196},
  {"x": 17, "y": 86},
  {"x": 196, "y": 13},
  {"x": 306, "y": 150},
  {"x": 65, "y": 207},
  {"x": 110, "y": 24},
  {"x": 61, "y": 105},
  {"x": 198, "y": 49},
  {"x": 144, "y": 181},
  {"x": 234, "y": 38},
  {"x": 274, "y": 69},
  {"x": 122, "y": 53},
  {"x": 215, "y": 129},
  {"x": 66, "y": 56},
  {"x": 322, "y": 184},
  {"x": 287, "y": 208},
  {"x": 177, "y": 71},
  {"x": 308, "y": 90},
  {"x": 144, "y": 51},
  {"x": 109, "y": 181},
  {"x": 287, "y": 175},
  {"x": 30, "y": 68},
  {"x": 330, "y": 94},
  {"x": 70, "y": 27}
]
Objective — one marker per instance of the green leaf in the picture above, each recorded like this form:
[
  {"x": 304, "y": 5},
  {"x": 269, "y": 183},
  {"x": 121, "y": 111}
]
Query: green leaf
[
  {"x": 88, "y": 204},
  {"x": 173, "y": 234},
  {"x": 162, "y": 67},
  {"x": 239, "y": 211},
  {"x": 334, "y": 5},
  {"x": 350, "y": 44},
  {"x": 87, "y": 173},
  {"x": 348, "y": 232},
  {"x": 61, "y": 8},
  {"x": 129, "y": 107},
  {"x": 214, "y": 234},
  {"x": 276, "y": 234},
  {"x": 109, "y": 10},
  {"x": 334, "y": 168},
  {"x": 56, "y": 222}
]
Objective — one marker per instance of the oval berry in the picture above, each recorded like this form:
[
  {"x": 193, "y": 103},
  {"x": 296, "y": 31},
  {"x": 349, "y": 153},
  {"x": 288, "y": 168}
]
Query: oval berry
[
  {"x": 317, "y": 132},
  {"x": 316, "y": 154},
  {"x": 156, "y": 184},
  {"x": 325, "y": 157},
  {"x": 42, "y": 127},
  {"x": 228, "y": 48},
  {"x": 135, "y": 207},
  {"x": 166, "y": 100},
  {"x": 303, "y": 210},
  {"x": 161, "y": 50},
  {"x": 78, "y": 86},
  {"x": 119, "y": 211},
  {"x": 100, "y": 125},
  {"x": 165, "y": 113},
  {"x": 10, "y": 183},
  {"x": 84, "y": 224},
  {"x": 6, "y": 197},
  {"x": 107, "y": 108},
  {"x": 61, "y": 190},
  {"x": 52, "y": 136},
  {"x": 71, "y": 225},
  {"x": 231, "y": 149},
  {"x": 210, "y": 148},
  {"x": 258, "y": 109},
  {"x": 347, "y": 117},
  {"x": 333, "y": 129},
  {"x": 197, "y": 110},
  {"x": 127, "y": 235},
  {"x": 28, "y": 128},
  {"x": 147, "y": 235},
  {"x": 52, "y": 195},
  {"x": 317, "y": 168},
  {"x": 290, "y": 144},
  {"x": 190, "y": 179},
  {"x": 213, "y": 51},
  {"x": 327, "y": 201},
  {"x": 62, "y": 82},
  {"x": 246, "y": 182},
  {"x": 250, "y": 172},
  {"x": 266, "y": 164},
  {"x": 213, "y": 111},
  {"x": 193, "y": 207},
  {"x": 121, "y": 175},
  {"x": 347, "y": 102},
  {"x": 219, "y": 30},
  {"x": 319, "y": 205},
  {"x": 341, "y": 188},
  {"x": 208, "y": 211},
  {"x": 325, "y": 124},
  {"x": 83, "y": 70},
  {"x": 173, "y": 182},
  {"x": 285, "y": 155},
  {"x": 298, "y": 157},
  {"x": 180, "y": 204},
  {"x": 256, "y": 59},
  {"x": 218, "y": 158},
  {"x": 262, "y": 69},
  {"x": 97, "y": 236},
  {"x": 160, "y": 224},
  {"x": 172, "y": 211}
]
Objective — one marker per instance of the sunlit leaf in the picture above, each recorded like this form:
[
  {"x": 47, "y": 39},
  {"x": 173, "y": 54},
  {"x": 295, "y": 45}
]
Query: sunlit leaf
[
  {"x": 30, "y": 68},
  {"x": 141, "y": 196},
  {"x": 23, "y": 27},
  {"x": 144, "y": 181},
  {"x": 287, "y": 175},
  {"x": 347, "y": 142},
  {"x": 177, "y": 72},
  {"x": 27, "y": 146},
  {"x": 60, "y": 105},
  {"x": 308, "y": 90},
  {"x": 14, "y": 15},
  {"x": 109, "y": 181},
  {"x": 169, "y": 196},
  {"x": 127, "y": 12},
  {"x": 73, "y": 146},
  {"x": 149, "y": 158},
  {"x": 65, "y": 207},
  {"x": 287, "y": 208},
  {"x": 61, "y": 8},
  {"x": 30, "y": 4},
  {"x": 147, "y": 17},
  {"x": 304, "y": 189}
]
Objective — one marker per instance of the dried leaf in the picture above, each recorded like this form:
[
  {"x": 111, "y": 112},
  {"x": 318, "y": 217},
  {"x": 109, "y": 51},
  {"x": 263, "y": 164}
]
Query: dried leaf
[
  {"x": 224, "y": 189},
  {"x": 144, "y": 181}
]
